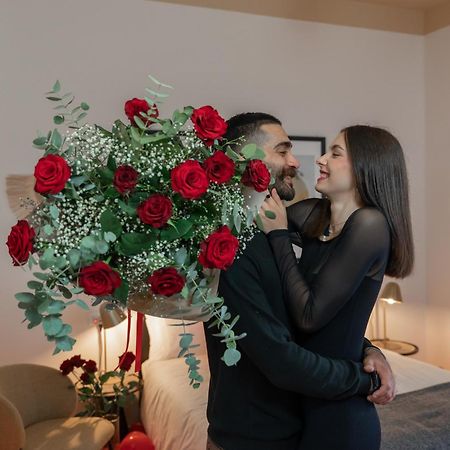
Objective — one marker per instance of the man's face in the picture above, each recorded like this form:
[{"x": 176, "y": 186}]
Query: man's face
[{"x": 280, "y": 160}]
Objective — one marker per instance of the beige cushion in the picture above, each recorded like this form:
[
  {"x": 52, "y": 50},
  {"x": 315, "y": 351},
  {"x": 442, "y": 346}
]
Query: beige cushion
[
  {"x": 38, "y": 392},
  {"x": 81, "y": 433},
  {"x": 12, "y": 433}
]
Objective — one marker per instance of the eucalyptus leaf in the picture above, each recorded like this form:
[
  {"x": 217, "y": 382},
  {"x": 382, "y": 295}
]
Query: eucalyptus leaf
[
  {"x": 42, "y": 307},
  {"x": 55, "y": 307},
  {"x": 88, "y": 242},
  {"x": 33, "y": 317},
  {"x": 180, "y": 256},
  {"x": 65, "y": 343},
  {"x": 35, "y": 285},
  {"x": 58, "y": 119},
  {"x": 40, "y": 142},
  {"x": 52, "y": 325},
  {"x": 159, "y": 83},
  {"x": 56, "y": 87},
  {"x": 138, "y": 121},
  {"x": 74, "y": 256},
  {"x": 78, "y": 180},
  {"x": 186, "y": 340},
  {"x": 110, "y": 236},
  {"x": 48, "y": 229},
  {"x": 42, "y": 276},
  {"x": 81, "y": 304},
  {"x": 56, "y": 139},
  {"x": 101, "y": 247},
  {"x": 54, "y": 212},
  {"x": 65, "y": 330},
  {"x": 231, "y": 356},
  {"x": 25, "y": 297}
]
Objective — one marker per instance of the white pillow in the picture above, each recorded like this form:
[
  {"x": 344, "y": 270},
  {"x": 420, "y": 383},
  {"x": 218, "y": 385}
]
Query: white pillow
[{"x": 164, "y": 337}]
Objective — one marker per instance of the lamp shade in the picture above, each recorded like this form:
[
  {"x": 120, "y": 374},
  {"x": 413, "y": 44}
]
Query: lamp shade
[
  {"x": 111, "y": 315},
  {"x": 391, "y": 293}
]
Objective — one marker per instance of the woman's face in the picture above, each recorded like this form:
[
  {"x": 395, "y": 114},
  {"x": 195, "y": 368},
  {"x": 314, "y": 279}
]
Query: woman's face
[{"x": 336, "y": 178}]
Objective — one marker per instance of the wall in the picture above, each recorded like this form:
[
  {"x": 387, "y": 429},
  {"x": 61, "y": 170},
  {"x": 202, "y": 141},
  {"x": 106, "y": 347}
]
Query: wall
[
  {"x": 437, "y": 195},
  {"x": 317, "y": 78}
]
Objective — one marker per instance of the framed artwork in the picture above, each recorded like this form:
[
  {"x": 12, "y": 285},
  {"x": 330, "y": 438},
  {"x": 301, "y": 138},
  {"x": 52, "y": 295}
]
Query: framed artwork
[{"x": 307, "y": 149}]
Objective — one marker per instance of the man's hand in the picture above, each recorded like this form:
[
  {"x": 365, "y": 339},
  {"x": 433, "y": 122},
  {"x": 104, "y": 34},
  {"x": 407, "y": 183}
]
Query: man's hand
[{"x": 374, "y": 360}]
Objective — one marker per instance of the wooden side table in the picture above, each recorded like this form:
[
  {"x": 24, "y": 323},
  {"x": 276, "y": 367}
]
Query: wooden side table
[{"x": 400, "y": 347}]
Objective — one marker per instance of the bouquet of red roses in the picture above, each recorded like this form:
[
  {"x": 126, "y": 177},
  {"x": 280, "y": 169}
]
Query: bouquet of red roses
[
  {"x": 149, "y": 208},
  {"x": 102, "y": 393}
]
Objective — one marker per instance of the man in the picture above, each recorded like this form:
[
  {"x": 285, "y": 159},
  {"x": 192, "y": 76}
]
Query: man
[{"x": 255, "y": 404}]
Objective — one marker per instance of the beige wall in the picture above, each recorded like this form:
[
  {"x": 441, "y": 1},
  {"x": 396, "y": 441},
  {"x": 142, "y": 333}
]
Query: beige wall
[
  {"x": 437, "y": 195},
  {"x": 317, "y": 78}
]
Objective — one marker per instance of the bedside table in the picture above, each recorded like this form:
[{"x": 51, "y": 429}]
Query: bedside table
[{"x": 400, "y": 347}]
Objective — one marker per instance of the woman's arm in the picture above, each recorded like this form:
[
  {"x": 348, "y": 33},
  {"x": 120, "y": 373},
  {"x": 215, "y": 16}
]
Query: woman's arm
[{"x": 365, "y": 240}]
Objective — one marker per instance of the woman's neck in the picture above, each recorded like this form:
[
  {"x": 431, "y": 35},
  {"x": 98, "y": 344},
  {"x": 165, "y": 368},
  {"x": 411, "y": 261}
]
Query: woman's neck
[{"x": 341, "y": 211}]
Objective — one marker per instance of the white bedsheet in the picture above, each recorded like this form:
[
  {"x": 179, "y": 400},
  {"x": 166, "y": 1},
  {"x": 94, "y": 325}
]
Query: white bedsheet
[
  {"x": 412, "y": 375},
  {"x": 174, "y": 414}
]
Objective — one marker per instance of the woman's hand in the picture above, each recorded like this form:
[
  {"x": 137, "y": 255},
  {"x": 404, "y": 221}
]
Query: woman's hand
[{"x": 272, "y": 214}]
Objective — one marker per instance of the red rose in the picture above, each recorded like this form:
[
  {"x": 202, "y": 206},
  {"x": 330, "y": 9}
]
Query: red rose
[
  {"x": 166, "y": 281},
  {"x": 125, "y": 179},
  {"x": 90, "y": 366},
  {"x": 136, "y": 106},
  {"x": 189, "y": 179},
  {"x": 208, "y": 124},
  {"x": 155, "y": 211},
  {"x": 126, "y": 360},
  {"x": 256, "y": 175},
  {"x": 77, "y": 361},
  {"x": 51, "y": 173},
  {"x": 219, "y": 167},
  {"x": 20, "y": 242},
  {"x": 218, "y": 250},
  {"x": 85, "y": 378},
  {"x": 99, "y": 279},
  {"x": 66, "y": 367},
  {"x": 69, "y": 364}
]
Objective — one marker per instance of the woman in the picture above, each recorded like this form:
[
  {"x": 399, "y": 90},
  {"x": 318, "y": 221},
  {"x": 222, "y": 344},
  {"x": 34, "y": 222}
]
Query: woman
[{"x": 361, "y": 231}]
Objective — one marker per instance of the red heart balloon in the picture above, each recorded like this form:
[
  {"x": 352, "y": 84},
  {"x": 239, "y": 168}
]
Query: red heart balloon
[{"x": 136, "y": 440}]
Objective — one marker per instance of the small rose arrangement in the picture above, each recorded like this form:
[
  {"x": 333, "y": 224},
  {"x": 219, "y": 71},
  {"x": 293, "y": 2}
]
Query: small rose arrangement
[
  {"x": 92, "y": 385},
  {"x": 153, "y": 206}
]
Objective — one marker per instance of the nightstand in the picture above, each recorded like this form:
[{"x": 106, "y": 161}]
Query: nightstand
[{"x": 400, "y": 347}]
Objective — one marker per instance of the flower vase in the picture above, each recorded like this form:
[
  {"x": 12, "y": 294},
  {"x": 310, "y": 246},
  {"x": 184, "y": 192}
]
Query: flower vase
[{"x": 115, "y": 420}]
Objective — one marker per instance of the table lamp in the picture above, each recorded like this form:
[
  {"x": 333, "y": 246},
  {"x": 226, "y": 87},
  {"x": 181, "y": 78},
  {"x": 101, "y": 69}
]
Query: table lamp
[
  {"x": 110, "y": 316},
  {"x": 391, "y": 295}
]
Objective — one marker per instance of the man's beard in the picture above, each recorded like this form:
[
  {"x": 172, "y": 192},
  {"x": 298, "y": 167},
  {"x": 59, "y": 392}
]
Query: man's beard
[{"x": 284, "y": 190}]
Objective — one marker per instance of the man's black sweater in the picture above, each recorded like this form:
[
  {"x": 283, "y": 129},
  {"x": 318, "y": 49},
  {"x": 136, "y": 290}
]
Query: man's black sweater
[{"x": 255, "y": 404}]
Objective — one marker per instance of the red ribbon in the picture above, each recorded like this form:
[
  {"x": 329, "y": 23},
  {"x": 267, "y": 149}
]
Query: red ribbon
[
  {"x": 128, "y": 340},
  {"x": 139, "y": 327}
]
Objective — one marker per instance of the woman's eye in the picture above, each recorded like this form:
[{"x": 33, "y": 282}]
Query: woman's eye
[{"x": 335, "y": 155}]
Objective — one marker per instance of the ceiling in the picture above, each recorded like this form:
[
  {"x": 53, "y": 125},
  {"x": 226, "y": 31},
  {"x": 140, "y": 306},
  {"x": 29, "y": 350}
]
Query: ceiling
[
  {"x": 423, "y": 5},
  {"x": 404, "y": 16}
]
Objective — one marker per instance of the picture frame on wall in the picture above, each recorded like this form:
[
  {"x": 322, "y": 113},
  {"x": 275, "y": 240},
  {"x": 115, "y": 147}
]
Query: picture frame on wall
[{"x": 307, "y": 149}]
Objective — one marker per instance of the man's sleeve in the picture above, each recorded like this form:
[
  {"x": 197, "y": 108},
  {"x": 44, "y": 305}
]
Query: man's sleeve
[{"x": 270, "y": 346}]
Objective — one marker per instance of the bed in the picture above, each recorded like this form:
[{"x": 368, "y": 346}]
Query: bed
[{"x": 174, "y": 414}]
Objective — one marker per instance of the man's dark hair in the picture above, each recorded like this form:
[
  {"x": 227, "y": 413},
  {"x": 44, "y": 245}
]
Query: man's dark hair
[{"x": 248, "y": 126}]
